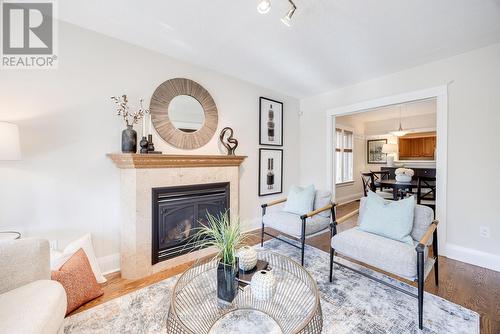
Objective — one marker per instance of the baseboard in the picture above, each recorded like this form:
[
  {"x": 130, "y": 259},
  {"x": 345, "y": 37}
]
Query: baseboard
[
  {"x": 348, "y": 199},
  {"x": 109, "y": 263},
  {"x": 472, "y": 256}
]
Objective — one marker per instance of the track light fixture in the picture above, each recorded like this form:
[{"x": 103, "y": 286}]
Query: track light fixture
[
  {"x": 264, "y": 6},
  {"x": 288, "y": 17}
]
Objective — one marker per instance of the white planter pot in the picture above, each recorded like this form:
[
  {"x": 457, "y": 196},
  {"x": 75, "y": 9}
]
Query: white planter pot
[
  {"x": 247, "y": 257},
  {"x": 403, "y": 178},
  {"x": 263, "y": 285}
]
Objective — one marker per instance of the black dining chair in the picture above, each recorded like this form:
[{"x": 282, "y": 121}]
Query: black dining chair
[
  {"x": 368, "y": 180},
  {"x": 381, "y": 175},
  {"x": 426, "y": 192}
]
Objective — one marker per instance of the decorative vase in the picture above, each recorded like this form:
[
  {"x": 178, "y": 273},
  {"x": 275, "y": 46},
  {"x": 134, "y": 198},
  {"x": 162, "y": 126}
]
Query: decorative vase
[
  {"x": 263, "y": 285},
  {"x": 403, "y": 178},
  {"x": 227, "y": 283},
  {"x": 144, "y": 145},
  {"x": 247, "y": 258},
  {"x": 129, "y": 140}
]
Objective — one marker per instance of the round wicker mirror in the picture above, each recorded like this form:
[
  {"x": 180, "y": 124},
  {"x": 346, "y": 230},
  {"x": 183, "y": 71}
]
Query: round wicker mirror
[{"x": 175, "y": 135}]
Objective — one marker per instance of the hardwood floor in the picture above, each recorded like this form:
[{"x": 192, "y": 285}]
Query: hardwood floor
[{"x": 470, "y": 286}]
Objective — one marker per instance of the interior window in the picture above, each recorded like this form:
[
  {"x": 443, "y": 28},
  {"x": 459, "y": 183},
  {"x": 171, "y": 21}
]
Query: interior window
[{"x": 344, "y": 161}]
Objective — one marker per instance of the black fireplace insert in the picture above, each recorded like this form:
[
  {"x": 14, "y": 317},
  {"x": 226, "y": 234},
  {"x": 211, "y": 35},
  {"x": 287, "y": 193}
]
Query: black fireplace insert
[{"x": 178, "y": 211}]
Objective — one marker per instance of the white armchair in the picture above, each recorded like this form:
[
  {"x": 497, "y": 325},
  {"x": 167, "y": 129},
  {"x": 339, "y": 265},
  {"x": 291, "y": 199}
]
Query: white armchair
[
  {"x": 29, "y": 301},
  {"x": 411, "y": 262},
  {"x": 299, "y": 226}
]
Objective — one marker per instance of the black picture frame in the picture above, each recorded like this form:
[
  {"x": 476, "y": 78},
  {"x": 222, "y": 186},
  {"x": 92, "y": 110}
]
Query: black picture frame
[
  {"x": 263, "y": 173},
  {"x": 278, "y": 120},
  {"x": 368, "y": 158}
]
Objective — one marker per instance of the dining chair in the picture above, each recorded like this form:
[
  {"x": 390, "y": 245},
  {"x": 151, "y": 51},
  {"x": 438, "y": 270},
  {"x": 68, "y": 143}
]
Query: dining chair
[
  {"x": 381, "y": 175},
  {"x": 426, "y": 191},
  {"x": 368, "y": 180}
]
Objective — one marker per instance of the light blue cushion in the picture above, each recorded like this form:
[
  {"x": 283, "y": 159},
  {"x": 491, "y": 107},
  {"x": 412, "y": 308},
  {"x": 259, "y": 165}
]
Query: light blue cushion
[
  {"x": 390, "y": 219},
  {"x": 300, "y": 200}
]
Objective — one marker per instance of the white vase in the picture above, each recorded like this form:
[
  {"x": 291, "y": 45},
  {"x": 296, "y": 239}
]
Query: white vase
[
  {"x": 403, "y": 178},
  {"x": 247, "y": 257},
  {"x": 263, "y": 285}
]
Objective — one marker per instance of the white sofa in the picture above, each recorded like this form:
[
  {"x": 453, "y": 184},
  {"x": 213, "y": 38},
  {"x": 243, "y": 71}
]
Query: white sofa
[{"x": 29, "y": 301}]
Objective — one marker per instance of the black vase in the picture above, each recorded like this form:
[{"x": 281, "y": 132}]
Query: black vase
[
  {"x": 129, "y": 140},
  {"x": 227, "y": 283}
]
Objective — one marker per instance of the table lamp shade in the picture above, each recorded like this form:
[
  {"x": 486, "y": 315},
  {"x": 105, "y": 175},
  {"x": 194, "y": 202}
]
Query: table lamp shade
[
  {"x": 10, "y": 149},
  {"x": 389, "y": 148}
]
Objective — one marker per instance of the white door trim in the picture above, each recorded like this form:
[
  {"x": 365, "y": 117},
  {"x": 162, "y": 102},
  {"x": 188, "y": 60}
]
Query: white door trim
[{"x": 441, "y": 95}]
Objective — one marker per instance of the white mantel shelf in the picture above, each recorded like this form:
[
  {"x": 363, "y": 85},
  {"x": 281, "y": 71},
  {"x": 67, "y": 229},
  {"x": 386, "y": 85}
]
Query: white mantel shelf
[{"x": 135, "y": 161}]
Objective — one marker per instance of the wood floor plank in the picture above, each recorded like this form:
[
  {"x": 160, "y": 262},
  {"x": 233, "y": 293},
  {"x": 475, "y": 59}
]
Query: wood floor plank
[{"x": 470, "y": 286}]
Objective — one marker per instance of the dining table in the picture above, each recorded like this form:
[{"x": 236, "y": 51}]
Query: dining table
[{"x": 398, "y": 188}]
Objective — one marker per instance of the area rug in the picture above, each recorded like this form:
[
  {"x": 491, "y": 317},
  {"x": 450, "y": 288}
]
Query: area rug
[{"x": 351, "y": 304}]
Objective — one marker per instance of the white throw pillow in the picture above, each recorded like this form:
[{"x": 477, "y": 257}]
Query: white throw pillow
[
  {"x": 322, "y": 199},
  {"x": 300, "y": 200},
  {"x": 58, "y": 259}
]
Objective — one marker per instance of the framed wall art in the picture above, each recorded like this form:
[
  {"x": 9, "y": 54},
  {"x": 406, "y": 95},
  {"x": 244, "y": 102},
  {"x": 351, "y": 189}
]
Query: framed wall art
[
  {"x": 270, "y": 122},
  {"x": 374, "y": 151},
  {"x": 270, "y": 171}
]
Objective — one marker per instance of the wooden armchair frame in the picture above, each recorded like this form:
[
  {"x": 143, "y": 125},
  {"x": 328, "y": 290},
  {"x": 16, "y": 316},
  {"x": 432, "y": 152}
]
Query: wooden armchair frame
[
  {"x": 303, "y": 218},
  {"x": 431, "y": 231}
]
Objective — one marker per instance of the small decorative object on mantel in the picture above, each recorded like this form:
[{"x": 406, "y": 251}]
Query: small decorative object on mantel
[
  {"x": 151, "y": 146},
  {"x": 144, "y": 145},
  {"x": 263, "y": 285},
  {"x": 247, "y": 258},
  {"x": 129, "y": 135},
  {"x": 228, "y": 141},
  {"x": 225, "y": 235},
  {"x": 404, "y": 175}
]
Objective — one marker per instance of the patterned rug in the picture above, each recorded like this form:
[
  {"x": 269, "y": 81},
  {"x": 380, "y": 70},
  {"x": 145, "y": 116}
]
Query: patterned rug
[{"x": 351, "y": 304}]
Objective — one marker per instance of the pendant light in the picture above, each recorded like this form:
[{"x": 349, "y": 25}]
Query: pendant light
[{"x": 400, "y": 132}]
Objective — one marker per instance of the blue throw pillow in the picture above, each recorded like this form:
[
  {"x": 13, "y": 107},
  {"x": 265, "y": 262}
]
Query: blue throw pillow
[
  {"x": 390, "y": 219},
  {"x": 300, "y": 200}
]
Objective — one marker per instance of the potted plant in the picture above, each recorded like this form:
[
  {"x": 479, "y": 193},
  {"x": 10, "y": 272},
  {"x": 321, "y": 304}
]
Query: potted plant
[{"x": 225, "y": 235}]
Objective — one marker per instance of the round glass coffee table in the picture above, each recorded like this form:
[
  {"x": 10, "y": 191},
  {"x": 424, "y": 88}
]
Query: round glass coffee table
[{"x": 294, "y": 308}]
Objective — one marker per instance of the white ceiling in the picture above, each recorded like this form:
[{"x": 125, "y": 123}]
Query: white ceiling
[{"x": 332, "y": 43}]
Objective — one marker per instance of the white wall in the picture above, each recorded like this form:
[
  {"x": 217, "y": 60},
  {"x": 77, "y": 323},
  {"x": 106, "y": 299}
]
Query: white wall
[
  {"x": 473, "y": 139},
  {"x": 65, "y": 186}
]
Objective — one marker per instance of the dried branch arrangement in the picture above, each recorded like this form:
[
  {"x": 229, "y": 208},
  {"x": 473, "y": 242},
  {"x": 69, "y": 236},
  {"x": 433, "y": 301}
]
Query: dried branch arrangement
[{"x": 122, "y": 109}]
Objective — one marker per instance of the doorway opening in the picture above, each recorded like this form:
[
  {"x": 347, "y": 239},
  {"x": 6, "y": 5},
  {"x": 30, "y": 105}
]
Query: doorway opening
[{"x": 381, "y": 135}]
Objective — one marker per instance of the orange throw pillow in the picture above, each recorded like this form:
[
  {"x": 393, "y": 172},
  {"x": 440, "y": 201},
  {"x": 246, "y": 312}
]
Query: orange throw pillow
[{"x": 78, "y": 280}]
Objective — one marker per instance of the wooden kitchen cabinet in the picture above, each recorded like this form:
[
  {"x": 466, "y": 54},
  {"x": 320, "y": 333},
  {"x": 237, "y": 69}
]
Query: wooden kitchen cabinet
[{"x": 414, "y": 147}]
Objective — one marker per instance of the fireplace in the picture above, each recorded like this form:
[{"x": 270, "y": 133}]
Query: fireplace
[{"x": 178, "y": 211}]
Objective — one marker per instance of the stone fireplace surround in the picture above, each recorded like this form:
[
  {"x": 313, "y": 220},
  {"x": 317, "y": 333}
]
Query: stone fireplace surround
[{"x": 139, "y": 173}]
